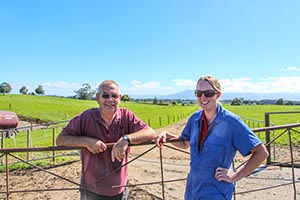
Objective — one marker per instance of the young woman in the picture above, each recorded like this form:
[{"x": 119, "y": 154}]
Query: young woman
[{"x": 214, "y": 135}]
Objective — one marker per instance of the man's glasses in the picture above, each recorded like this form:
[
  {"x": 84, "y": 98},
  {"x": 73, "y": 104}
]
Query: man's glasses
[
  {"x": 106, "y": 96},
  {"x": 207, "y": 93}
]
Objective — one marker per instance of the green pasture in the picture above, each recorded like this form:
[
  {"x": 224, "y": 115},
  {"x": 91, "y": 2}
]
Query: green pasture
[
  {"x": 55, "y": 109},
  {"x": 256, "y": 113},
  {"x": 43, "y": 107},
  {"x": 254, "y": 117}
]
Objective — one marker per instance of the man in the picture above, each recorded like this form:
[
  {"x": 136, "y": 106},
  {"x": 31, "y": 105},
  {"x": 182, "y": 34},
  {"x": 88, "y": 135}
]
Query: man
[{"x": 93, "y": 129}]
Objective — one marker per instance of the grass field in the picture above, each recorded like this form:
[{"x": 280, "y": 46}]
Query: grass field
[
  {"x": 257, "y": 112},
  {"x": 54, "y": 109}
]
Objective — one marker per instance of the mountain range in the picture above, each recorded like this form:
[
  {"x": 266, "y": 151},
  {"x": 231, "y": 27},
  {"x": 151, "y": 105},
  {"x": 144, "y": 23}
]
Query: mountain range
[{"x": 189, "y": 95}]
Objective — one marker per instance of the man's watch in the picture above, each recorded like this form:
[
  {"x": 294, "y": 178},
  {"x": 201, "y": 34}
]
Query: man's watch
[{"x": 125, "y": 137}]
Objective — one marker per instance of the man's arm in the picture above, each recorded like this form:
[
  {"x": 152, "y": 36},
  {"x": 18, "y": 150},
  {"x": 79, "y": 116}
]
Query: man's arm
[
  {"x": 144, "y": 135},
  {"x": 120, "y": 147},
  {"x": 92, "y": 144}
]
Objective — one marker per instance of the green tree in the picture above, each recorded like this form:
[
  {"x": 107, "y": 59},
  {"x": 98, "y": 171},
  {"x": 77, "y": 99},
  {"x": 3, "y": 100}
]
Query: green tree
[
  {"x": 39, "y": 90},
  {"x": 85, "y": 93},
  {"x": 5, "y": 88},
  {"x": 23, "y": 90},
  {"x": 155, "y": 100},
  {"x": 174, "y": 103},
  {"x": 236, "y": 102},
  {"x": 290, "y": 103},
  {"x": 125, "y": 98},
  {"x": 279, "y": 101}
]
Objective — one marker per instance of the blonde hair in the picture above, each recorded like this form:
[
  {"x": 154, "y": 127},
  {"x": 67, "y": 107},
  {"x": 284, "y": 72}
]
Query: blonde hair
[{"x": 212, "y": 81}]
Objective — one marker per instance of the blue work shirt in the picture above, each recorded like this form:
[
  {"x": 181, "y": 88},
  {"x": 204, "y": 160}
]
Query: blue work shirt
[{"x": 226, "y": 134}]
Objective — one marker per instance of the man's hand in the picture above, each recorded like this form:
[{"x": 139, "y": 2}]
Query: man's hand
[
  {"x": 119, "y": 150},
  {"x": 96, "y": 146}
]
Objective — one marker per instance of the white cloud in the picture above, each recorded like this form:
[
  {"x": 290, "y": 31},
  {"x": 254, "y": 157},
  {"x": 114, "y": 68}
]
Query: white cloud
[
  {"x": 62, "y": 85},
  {"x": 266, "y": 85},
  {"x": 242, "y": 85},
  {"x": 56, "y": 88},
  {"x": 291, "y": 68},
  {"x": 137, "y": 87},
  {"x": 152, "y": 87},
  {"x": 61, "y": 88},
  {"x": 285, "y": 84},
  {"x": 185, "y": 82}
]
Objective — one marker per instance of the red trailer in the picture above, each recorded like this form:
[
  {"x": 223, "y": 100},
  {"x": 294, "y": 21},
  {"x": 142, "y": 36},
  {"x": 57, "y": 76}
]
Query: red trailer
[{"x": 8, "y": 123}]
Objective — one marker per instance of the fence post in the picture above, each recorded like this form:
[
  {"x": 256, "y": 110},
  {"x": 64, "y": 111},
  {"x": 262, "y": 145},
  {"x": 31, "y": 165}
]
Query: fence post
[
  {"x": 53, "y": 144},
  {"x": 7, "y": 176},
  {"x": 28, "y": 143},
  {"x": 2, "y": 143},
  {"x": 162, "y": 173},
  {"x": 267, "y": 124}
]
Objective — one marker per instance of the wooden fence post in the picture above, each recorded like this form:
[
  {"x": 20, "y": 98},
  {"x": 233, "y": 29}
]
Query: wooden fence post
[
  {"x": 28, "y": 143},
  {"x": 53, "y": 144}
]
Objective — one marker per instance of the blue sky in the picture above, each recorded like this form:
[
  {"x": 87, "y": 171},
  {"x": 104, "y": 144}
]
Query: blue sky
[{"x": 150, "y": 47}]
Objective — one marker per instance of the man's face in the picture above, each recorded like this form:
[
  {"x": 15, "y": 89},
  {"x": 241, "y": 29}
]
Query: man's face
[{"x": 109, "y": 98}]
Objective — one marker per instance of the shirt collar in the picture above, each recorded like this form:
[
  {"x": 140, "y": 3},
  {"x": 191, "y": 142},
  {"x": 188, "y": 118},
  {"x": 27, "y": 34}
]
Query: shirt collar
[
  {"x": 201, "y": 112},
  {"x": 100, "y": 119}
]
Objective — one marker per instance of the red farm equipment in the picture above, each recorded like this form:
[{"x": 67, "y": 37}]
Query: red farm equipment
[{"x": 8, "y": 123}]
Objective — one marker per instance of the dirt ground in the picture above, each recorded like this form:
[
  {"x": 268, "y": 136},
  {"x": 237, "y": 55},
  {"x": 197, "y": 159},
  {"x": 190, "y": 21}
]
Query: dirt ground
[{"x": 145, "y": 175}]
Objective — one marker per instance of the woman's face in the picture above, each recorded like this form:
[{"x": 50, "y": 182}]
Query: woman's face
[{"x": 206, "y": 95}]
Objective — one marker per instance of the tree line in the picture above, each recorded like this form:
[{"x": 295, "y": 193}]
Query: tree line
[
  {"x": 240, "y": 101},
  {"x": 85, "y": 93},
  {"x": 6, "y": 88}
]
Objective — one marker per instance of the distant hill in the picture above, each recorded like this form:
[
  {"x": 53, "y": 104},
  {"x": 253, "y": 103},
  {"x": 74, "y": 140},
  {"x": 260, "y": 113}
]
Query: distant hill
[{"x": 189, "y": 95}]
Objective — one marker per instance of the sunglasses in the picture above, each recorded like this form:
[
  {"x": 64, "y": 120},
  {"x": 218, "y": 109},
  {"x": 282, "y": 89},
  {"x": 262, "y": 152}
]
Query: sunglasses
[
  {"x": 207, "y": 93},
  {"x": 106, "y": 96}
]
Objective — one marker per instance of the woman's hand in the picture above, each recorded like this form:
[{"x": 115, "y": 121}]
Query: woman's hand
[
  {"x": 161, "y": 139},
  {"x": 223, "y": 174}
]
